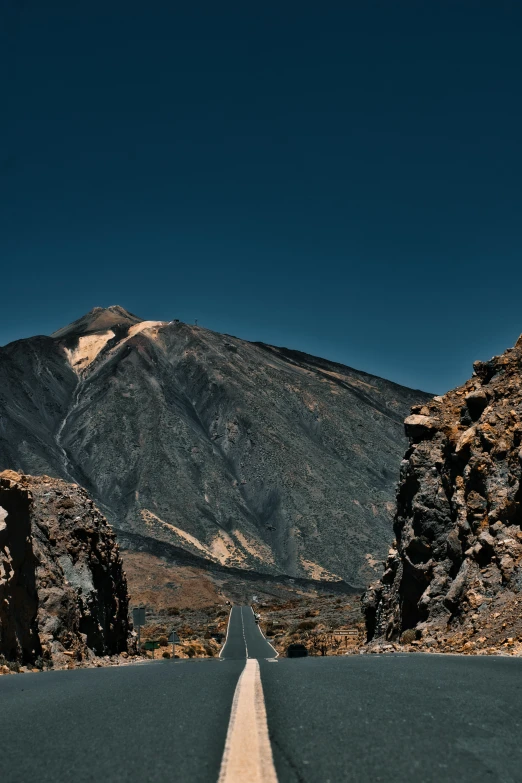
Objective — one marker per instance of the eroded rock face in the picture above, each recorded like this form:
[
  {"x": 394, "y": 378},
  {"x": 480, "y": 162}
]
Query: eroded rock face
[
  {"x": 18, "y": 594},
  {"x": 63, "y": 593},
  {"x": 455, "y": 570}
]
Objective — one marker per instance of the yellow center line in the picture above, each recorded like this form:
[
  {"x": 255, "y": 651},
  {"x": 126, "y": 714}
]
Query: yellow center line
[{"x": 247, "y": 757}]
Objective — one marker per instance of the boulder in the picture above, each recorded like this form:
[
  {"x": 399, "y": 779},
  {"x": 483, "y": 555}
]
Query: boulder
[
  {"x": 63, "y": 592},
  {"x": 419, "y": 426},
  {"x": 476, "y": 402}
]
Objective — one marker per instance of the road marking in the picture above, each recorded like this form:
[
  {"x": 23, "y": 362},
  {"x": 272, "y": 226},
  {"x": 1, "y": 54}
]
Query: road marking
[
  {"x": 264, "y": 637},
  {"x": 247, "y": 757},
  {"x": 228, "y": 626},
  {"x": 244, "y": 637}
]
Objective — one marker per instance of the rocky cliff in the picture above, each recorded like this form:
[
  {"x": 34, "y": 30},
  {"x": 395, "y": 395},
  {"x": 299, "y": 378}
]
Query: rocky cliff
[
  {"x": 453, "y": 579},
  {"x": 247, "y": 455},
  {"x": 63, "y": 593}
]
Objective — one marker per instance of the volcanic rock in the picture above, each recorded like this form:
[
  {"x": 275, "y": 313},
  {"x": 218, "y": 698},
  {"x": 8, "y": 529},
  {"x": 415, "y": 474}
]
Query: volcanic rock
[
  {"x": 63, "y": 592},
  {"x": 455, "y": 571}
]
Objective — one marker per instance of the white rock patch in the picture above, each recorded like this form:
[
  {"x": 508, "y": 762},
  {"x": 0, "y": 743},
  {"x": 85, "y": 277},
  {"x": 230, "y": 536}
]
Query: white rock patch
[{"x": 88, "y": 349}]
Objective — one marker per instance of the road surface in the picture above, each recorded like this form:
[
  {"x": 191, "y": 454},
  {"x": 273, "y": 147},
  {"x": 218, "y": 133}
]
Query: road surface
[
  {"x": 394, "y": 718},
  {"x": 244, "y": 639}
]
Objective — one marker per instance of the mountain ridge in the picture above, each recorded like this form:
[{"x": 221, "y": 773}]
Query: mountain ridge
[{"x": 250, "y": 455}]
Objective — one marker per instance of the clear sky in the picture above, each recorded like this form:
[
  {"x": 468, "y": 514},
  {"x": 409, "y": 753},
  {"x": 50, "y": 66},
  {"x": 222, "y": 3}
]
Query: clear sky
[{"x": 344, "y": 178}]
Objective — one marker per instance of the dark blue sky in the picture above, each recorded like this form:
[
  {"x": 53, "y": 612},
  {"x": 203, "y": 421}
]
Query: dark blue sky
[{"x": 344, "y": 178}]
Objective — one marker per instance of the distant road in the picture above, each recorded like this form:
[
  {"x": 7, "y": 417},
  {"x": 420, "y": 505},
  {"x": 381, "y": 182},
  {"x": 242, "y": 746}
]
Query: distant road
[
  {"x": 395, "y": 718},
  {"x": 244, "y": 639}
]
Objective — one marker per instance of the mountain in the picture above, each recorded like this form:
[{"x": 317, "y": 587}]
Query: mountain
[
  {"x": 240, "y": 454},
  {"x": 453, "y": 580}
]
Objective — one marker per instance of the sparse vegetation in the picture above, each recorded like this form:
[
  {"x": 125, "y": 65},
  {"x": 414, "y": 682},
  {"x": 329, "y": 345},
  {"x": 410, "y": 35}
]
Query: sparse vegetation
[
  {"x": 325, "y": 634},
  {"x": 305, "y": 625},
  {"x": 200, "y": 630},
  {"x": 408, "y": 636},
  {"x": 311, "y": 619}
]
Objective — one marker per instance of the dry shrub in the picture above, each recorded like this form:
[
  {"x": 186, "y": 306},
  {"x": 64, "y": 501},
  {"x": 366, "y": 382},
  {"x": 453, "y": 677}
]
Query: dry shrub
[
  {"x": 408, "y": 636},
  {"x": 305, "y": 625}
]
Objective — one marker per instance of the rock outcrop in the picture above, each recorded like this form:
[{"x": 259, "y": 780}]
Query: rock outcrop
[
  {"x": 246, "y": 455},
  {"x": 453, "y": 579},
  {"x": 63, "y": 593}
]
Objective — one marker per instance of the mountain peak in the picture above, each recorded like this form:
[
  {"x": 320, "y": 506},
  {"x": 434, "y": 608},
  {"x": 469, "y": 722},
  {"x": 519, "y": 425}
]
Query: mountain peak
[{"x": 99, "y": 319}]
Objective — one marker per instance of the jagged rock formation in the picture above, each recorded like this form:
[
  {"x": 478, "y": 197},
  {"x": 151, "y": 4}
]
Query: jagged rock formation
[
  {"x": 247, "y": 455},
  {"x": 453, "y": 580},
  {"x": 63, "y": 593}
]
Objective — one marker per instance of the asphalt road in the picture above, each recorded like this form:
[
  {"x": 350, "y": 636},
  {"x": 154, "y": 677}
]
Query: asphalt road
[
  {"x": 395, "y": 718},
  {"x": 244, "y": 639}
]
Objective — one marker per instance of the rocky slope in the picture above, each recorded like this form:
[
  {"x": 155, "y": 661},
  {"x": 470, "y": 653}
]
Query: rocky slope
[
  {"x": 63, "y": 593},
  {"x": 453, "y": 580},
  {"x": 246, "y": 455}
]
